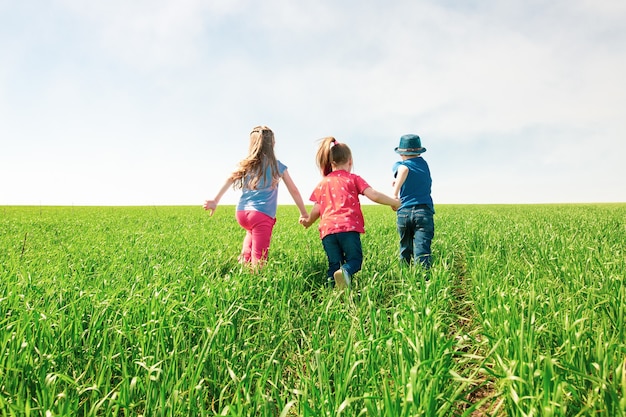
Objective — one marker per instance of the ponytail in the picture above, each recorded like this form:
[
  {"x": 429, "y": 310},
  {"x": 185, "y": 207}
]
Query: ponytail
[{"x": 330, "y": 152}]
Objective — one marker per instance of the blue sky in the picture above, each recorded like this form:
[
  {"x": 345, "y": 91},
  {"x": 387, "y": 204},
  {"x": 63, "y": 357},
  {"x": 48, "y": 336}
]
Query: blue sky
[{"x": 143, "y": 102}]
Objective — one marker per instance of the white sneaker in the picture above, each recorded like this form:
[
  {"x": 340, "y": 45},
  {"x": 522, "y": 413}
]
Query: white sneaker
[{"x": 342, "y": 279}]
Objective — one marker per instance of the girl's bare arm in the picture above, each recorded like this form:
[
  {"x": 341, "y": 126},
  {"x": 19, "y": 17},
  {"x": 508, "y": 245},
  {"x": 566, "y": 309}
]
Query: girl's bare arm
[
  {"x": 380, "y": 198},
  {"x": 211, "y": 205},
  {"x": 312, "y": 217},
  {"x": 295, "y": 193}
]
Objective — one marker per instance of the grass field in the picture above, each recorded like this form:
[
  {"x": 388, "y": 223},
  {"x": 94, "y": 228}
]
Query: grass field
[{"x": 145, "y": 311}]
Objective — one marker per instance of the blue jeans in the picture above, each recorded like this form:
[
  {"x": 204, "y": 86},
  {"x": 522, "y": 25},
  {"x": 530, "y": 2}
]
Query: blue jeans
[
  {"x": 343, "y": 249},
  {"x": 416, "y": 227}
]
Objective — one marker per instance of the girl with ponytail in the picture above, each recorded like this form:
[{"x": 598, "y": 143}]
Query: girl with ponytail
[{"x": 337, "y": 205}]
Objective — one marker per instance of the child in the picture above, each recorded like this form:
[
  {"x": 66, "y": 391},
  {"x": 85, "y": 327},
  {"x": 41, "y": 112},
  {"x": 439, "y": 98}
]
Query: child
[
  {"x": 416, "y": 224},
  {"x": 337, "y": 203},
  {"x": 257, "y": 176}
]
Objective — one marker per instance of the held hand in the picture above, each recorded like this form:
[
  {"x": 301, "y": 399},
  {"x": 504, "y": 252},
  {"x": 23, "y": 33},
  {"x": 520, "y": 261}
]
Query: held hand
[
  {"x": 304, "y": 221},
  {"x": 396, "y": 205},
  {"x": 210, "y": 206}
]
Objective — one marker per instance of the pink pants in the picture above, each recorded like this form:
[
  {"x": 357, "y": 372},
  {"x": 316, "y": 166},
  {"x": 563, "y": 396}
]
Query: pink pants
[{"x": 258, "y": 228}]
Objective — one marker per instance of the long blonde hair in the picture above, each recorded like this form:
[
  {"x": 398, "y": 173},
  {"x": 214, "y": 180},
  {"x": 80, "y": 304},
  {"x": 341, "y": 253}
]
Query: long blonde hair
[
  {"x": 251, "y": 170},
  {"x": 330, "y": 152}
]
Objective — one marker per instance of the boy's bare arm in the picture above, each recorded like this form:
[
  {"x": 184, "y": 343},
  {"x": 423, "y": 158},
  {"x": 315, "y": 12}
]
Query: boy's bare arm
[{"x": 403, "y": 172}]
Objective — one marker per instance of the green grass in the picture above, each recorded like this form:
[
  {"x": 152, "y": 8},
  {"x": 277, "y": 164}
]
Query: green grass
[{"x": 134, "y": 311}]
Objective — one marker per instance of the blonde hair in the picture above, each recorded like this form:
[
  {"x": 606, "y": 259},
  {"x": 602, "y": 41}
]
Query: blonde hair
[
  {"x": 330, "y": 152},
  {"x": 251, "y": 170}
]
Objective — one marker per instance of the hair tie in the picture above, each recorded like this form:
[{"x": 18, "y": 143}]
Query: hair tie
[
  {"x": 260, "y": 129},
  {"x": 333, "y": 143}
]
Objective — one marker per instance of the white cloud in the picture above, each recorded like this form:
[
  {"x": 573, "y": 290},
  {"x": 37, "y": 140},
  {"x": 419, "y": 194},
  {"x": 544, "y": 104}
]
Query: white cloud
[{"x": 147, "y": 34}]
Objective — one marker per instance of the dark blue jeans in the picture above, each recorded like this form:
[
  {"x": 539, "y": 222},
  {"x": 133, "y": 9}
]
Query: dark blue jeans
[
  {"x": 416, "y": 227},
  {"x": 343, "y": 249}
]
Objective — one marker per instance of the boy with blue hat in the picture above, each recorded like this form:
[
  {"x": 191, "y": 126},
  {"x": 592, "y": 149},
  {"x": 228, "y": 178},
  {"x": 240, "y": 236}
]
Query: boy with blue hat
[{"x": 412, "y": 186}]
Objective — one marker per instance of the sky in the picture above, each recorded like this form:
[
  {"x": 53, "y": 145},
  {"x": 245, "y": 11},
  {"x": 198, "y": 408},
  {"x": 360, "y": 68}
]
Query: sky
[{"x": 150, "y": 102}]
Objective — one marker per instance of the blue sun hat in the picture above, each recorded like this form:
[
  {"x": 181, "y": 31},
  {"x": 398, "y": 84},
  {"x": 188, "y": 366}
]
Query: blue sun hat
[{"x": 410, "y": 145}]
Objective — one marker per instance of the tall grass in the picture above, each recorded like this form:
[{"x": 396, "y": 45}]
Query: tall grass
[
  {"x": 548, "y": 290},
  {"x": 145, "y": 311}
]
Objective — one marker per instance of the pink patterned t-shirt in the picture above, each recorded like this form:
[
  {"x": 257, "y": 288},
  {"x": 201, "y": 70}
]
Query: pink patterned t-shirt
[{"x": 338, "y": 198}]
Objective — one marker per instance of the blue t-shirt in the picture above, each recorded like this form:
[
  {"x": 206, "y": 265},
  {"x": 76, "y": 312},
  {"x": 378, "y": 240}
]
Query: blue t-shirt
[
  {"x": 416, "y": 188},
  {"x": 265, "y": 197}
]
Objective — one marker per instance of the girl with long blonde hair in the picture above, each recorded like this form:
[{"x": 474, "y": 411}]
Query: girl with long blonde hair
[{"x": 258, "y": 176}]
